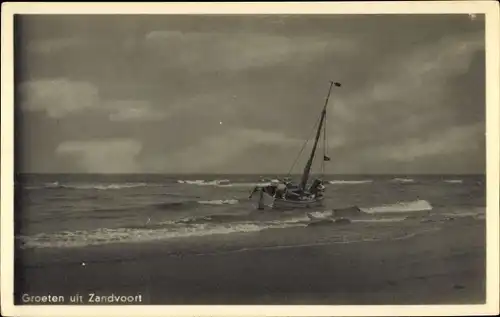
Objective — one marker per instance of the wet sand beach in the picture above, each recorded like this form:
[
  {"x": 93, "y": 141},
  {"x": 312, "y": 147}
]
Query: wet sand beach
[{"x": 415, "y": 262}]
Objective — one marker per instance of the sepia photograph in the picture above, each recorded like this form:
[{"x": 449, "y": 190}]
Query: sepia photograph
[{"x": 262, "y": 158}]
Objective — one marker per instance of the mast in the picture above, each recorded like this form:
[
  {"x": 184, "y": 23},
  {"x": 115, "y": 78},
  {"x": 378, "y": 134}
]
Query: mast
[
  {"x": 324, "y": 150},
  {"x": 307, "y": 169}
]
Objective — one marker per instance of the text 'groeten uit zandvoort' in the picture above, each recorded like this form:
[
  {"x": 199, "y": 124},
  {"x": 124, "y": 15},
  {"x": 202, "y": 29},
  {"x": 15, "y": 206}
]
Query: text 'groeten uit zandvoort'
[{"x": 89, "y": 298}]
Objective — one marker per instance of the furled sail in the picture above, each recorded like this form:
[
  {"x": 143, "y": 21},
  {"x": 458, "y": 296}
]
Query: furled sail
[{"x": 307, "y": 168}]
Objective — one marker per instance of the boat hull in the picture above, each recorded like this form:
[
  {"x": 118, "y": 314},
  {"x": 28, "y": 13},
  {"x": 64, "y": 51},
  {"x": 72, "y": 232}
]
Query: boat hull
[{"x": 282, "y": 204}]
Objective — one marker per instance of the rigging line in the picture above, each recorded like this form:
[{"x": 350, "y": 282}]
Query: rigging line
[
  {"x": 302, "y": 149},
  {"x": 325, "y": 149},
  {"x": 304, "y": 146}
]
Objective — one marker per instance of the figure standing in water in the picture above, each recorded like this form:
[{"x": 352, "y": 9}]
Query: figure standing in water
[{"x": 273, "y": 190}]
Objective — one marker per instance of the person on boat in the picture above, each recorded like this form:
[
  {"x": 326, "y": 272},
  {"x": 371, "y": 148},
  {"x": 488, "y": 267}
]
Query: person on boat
[
  {"x": 317, "y": 188},
  {"x": 259, "y": 189},
  {"x": 269, "y": 189},
  {"x": 290, "y": 190},
  {"x": 255, "y": 189},
  {"x": 272, "y": 188},
  {"x": 280, "y": 191}
]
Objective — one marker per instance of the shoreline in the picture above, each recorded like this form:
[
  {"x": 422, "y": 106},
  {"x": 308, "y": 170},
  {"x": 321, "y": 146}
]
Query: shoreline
[{"x": 295, "y": 266}]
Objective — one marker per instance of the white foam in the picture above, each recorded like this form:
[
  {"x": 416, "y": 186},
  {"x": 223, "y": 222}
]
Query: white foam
[
  {"x": 245, "y": 185},
  {"x": 320, "y": 215},
  {"x": 222, "y": 183},
  {"x": 97, "y": 186},
  {"x": 118, "y": 186},
  {"x": 121, "y": 235},
  {"x": 44, "y": 186},
  {"x": 454, "y": 181},
  {"x": 412, "y": 206},
  {"x": 403, "y": 180},
  {"x": 191, "y": 182},
  {"x": 202, "y": 182},
  {"x": 325, "y": 215},
  {"x": 353, "y": 182},
  {"x": 218, "y": 202}
]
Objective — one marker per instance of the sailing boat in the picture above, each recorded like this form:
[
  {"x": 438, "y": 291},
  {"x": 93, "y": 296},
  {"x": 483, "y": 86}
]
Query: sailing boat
[{"x": 286, "y": 195}]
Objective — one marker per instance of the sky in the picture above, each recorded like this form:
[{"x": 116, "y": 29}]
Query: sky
[{"x": 241, "y": 94}]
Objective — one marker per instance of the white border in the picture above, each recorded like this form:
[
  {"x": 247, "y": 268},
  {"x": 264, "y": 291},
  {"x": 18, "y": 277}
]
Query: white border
[{"x": 490, "y": 8}]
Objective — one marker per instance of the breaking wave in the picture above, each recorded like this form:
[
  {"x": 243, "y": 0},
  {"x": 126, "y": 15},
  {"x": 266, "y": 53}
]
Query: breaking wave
[
  {"x": 412, "y": 206},
  {"x": 403, "y": 180},
  {"x": 402, "y": 207},
  {"x": 453, "y": 181},
  {"x": 203, "y": 225},
  {"x": 190, "y": 227},
  {"x": 218, "y": 202},
  {"x": 221, "y": 183},
  {"x": 342, "y": 182},
  {"x": 201, "y": 182},
  {"x": 90, "y": 186},
  {"x": 186, "y": 204},
  {"x": 67, "y": 239}
]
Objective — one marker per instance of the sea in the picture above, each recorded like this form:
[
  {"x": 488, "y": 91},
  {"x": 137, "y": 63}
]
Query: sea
[{"x": 79, "y": 210}]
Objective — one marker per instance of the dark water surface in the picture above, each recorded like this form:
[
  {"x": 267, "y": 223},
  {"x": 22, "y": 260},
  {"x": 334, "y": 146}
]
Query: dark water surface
[{"x": 59, "y": 211}]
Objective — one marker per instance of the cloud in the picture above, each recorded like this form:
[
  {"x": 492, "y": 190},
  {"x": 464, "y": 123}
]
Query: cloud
[
  {"x": 410, "y": 94},
  {"x": 454, "y": 140},
  {"x": 61, "y": 97},
  {"x": 132, "y": 110},
  {"x": 58, "y": 97},
  {"x": 103, "y": 156},
  {"x": 216, "y": 51},
  {"x": 48, "y": 46},
  {"x": 407, "y": 81},
  {"x": 214, "y": 152},
  {"x": 422, "y": 72}
]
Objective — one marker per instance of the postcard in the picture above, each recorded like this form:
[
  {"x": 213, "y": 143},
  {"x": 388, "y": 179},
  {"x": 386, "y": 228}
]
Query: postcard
[{"x": 250, "y": 159}]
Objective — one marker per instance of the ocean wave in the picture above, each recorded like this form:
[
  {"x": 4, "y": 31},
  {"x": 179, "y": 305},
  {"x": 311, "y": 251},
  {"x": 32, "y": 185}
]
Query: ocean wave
[
  {"x": 461, "y": 212},
  {"x": 90, "y": 186},
  {"x": 68, "y": 239},
  {"x": 51, "y": 185},
  {"x": 380, "y": 220},
  {"x": 185, "y": 204},
  {"x": 329, "y": 215},
  {"x": 343, "y": 182},
  {"x": 216, "y": 224},
  {"x": 222, "y": 183},
  {"x": 320, "y": 214},
  {"x": 54, "y": 185},
  {"x": 218, "y": 202},
  {"x": 106, "y": 186},
  {"x": 400, "y": 207},
  {"x": 411, "y": 206},
  {"x": 262, "y": 218},
  {"x": 403, "y": 180},
  {"x": 453, "y": 181},
  {"x": 217, "y": 218},
  {"x": 245, "y": 185},
  {"x": 210, "y": 225},
  {"x": 201, "y": 182}
]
